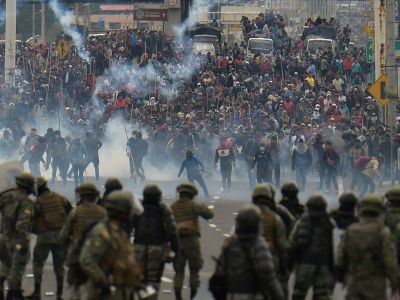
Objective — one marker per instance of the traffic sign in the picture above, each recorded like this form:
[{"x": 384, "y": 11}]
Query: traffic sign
[
  {"x": 378, "y": 90},
  {"x": 369, "y": 28},
  {"x": 62, "y": 48},
  {"x": 370, "y": 51}
]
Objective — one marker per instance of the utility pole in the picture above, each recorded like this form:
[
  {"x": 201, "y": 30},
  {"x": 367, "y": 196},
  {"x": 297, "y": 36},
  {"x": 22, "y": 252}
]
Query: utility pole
[
  {"x": 391, "y": 67},
  {"x": 43, "y": 22},
  {"x": 11, "y": 32},
  {"x": 33, "y": 19}
]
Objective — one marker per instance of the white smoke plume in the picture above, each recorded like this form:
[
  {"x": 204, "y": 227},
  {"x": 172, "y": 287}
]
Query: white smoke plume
[{"x": 66, "y": 18}]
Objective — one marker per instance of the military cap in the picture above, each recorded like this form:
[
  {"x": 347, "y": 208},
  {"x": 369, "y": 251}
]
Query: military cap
[
  {"x": 262, "y": 190},
  {"x": 121, "y": 201},
  {"x": 88, "y": 188},
  {"x": 41, "y": 182},
  {"x": 113, "y": 184},
  {"x": 187, "y": 187},
  {"x": 348, "y": 199},
  {"x": 25, "y": 180},
  {"x": 248, "y": 220},
  {"x": 316, "y": 203},
  {"x": 393, "y": 194},
  {"x": 151, "y": 190},
  {"x": 289, "y": 188},
  {"x": 372, "y": 203}
]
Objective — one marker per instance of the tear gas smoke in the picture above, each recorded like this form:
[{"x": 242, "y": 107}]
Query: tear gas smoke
[{"x": 66, "y": 18}]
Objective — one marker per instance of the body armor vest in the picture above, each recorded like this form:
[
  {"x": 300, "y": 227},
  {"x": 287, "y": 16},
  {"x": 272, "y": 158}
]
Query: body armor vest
[
  {"x": 84, "y": 214},
  {"x": 51, "y": 212},
  {"x": 186, "y": 218}
]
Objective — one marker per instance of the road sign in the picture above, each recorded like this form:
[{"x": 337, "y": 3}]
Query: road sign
[
  {"x": 370, "y": 51},
  {"x": 378, "y": 90},
  {"x": 369, "y": 28},
  {"x": 62, "y": 48},
  {"x": 151, "y": 14}
]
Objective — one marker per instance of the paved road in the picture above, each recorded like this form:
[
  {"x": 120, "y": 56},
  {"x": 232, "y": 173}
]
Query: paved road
[{"x": 213, "y": 232}]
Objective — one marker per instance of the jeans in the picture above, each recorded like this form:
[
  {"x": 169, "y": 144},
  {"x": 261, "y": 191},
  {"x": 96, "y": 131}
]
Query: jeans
[
  {"x": 331, "y": 176},
  {"x": 226, "y": 172},
  {"x": 200, "y": 180}
]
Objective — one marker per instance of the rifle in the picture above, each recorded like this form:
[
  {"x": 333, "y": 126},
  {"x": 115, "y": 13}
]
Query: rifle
[{"x": 131, "y": 161}]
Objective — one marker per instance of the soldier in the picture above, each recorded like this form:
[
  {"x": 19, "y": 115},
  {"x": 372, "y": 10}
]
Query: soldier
[
  {"x": 366, "y": 255},
  {"x": 92, "y": 147},
  {"x": 194, "y": 166},
  {"x": 274, "y": 231},
  {"x": 290, "y": 199},
  {"x": 85, "y": 213},
  {"x": 263, "y": 161},
  {"x": 51, "y": 211},
  {"x": 311, "y": 250},
  {"x": 245, "y": 262},
  {"x": 138, "y": 150},
  {"x": 345, "y": 215},
  {"x": 393, "y": 208},
  {"x": 155, "y": 236},
  {"x": 224, "y": 154},
  {"x": 187, "y": 212},
  {"x": 112, "y": 184},
  {"x": 16, "y": 225},
  {"x": 107, "y": 256}
]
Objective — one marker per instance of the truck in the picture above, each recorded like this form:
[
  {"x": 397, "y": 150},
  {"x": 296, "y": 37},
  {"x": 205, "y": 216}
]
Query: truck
[
  {"x": 263, "y": 46},
  {"x": 319, "y": 37}
]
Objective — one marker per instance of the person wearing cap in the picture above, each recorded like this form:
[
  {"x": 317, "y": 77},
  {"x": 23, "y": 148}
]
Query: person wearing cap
[
  {"x": 274, "y": 230},
  {"x": 311, "y": 251},
  {"x": 245, "y": 263},
  {"x": 366, "y": 257},
  {"x": 301, "y": 161},
  {"x": 51, "y": 211},
  {"x": 107, "y": 256},
  {"x": 194, "y": 167},
  {"x": 186, "y": 212},
  {"x": 156, "y": 237},
  {"x": 17, "y": 211},
  {"x": 87, "y": 212}
]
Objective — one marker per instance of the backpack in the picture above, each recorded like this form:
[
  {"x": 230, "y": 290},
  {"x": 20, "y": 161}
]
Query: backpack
[{"x": 361, "y": 163}]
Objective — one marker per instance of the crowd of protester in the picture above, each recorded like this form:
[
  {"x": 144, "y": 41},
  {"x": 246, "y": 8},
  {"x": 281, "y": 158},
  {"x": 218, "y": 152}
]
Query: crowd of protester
[{"x": 301, "y": 102}]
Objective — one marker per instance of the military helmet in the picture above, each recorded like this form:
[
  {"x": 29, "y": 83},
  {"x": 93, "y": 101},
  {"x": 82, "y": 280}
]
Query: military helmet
[
  {"x": 371, "y": 203},
  {"x": 40, "y": 182},
  {"x": 113, "y": 184},
  {"x": 119, "y": 204},
  {"x": 348, "y": 199},
  {"x": 289, "y": 189},
  {"x": 151, "y": 190},
  {"x": 248, "y": 220},
  {"x": 88, "y": 189},
  {"x": 393, "y": 195},
  {"x": 262, "y": 190},
  {"x": 316, "y": 203},
  {"x": 25, "y": 180},
  {"x": 187, "y": 187},
  {"x": 273, "y": 190}
]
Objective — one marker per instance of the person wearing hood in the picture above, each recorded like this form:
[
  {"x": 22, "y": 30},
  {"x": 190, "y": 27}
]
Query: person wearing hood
[
  {"x": 311, "y": 251},
  {"x": 245, "y": 263},
  {"x": 301, "y": 160},
  {"x": 155, "y": 234},
  {"x": 263, "y": 161}
]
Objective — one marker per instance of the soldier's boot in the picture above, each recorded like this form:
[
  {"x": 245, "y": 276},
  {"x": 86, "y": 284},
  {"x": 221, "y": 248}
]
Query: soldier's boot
[
  {"x": 178, "y": 294},
  {"x": 36, "y": 293},
  {"x": 193, "y": 293}
]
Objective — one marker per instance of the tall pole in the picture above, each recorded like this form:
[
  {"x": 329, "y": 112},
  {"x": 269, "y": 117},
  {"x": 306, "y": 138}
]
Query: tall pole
[
  {"x": 33, "y": 19},
  {"x": 43, "y": 22},
  {"x": 11, "y": 32},
  {"x": 390, "y": 67}
]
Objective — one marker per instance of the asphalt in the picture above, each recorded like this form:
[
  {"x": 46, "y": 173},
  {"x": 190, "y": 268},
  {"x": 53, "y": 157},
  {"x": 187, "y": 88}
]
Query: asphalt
[{"x": 213, "y": 232}]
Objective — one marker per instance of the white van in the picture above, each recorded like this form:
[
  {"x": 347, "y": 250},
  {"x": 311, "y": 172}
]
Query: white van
[
  {"x": 263, "y": 46},
  {"x": 314, "y": 44}
]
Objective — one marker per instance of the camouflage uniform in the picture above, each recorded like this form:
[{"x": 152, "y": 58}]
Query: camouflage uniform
[
  {"x": 107, "y": 256},
  {"x": 187, "y": 212},
  {"x": 155, "y": 235},
  {"x": 274, "y": 231},
  {"x": 366, "y": 255},
  {"x": 290, "y": 200},
  {"x": 87, "y": 212},
  {"x": 393, "y": 208},
  {"x": 311, "y": 251},
  {"x": 246, "y": 263},
  {"x": 16, "y": 225},
  {"x": 51, "y": 211}
]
